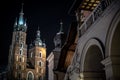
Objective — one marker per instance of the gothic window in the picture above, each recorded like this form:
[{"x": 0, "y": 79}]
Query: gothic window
[
  {"x": 16, "y": 38},
  {"x": 40, "y": 63},
  {"x": 37, "y": 70},
  {"x": 21, "y": 45},
  {"x": 16, "y": 58},
  {"x": 31, "y": 54},
  {"x": 23, "y": 59},
  {"x": 20, "y": 59},
  {"x": 20, "y": 52},
  {"x": 21, "y": 38},
  {"x": 40, "y": 55},
  {"x": 22, "y": 67},
  {"x": 40, "y": 70},
  {"x": 19, "y": 76},
  {"x": 30, "y": 76}
]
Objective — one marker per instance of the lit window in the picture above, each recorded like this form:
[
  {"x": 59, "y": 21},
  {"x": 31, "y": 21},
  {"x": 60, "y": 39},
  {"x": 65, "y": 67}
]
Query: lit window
[
  {"x": 20, "y": 52},
  {"x": 16, "y": 58},
  {"x": 37, "y": 69},
  {"x": 40, "y": 63},
  {"x": 23, "y": 59},
  {"x": 31, "y": 55},
  {"x": 30, "y": 76},
  {"x": 40, "y": 70},
  {"x": 23, "y": 67},
  {"x": 16, "y": 38}
]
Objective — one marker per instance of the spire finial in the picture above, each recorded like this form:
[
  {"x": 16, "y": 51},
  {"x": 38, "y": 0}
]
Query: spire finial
[
  {"x": 22, "y": 9},
  {"x": 61, "y": 26},
  {"x": 38, "y": 33},
  {"x": 15, "y": 22},
  {"x": 21, "y": 20},
  {"x": 25, "y": 22}
]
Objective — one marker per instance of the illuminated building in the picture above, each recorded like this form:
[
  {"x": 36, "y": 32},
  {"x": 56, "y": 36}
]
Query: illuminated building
[{"x": 26, "y": 63}]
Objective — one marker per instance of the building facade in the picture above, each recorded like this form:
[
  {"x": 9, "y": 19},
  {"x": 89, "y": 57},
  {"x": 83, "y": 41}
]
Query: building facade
[
  {"x": 97, "y": 51},
  {"x": 26, "y": 63}
]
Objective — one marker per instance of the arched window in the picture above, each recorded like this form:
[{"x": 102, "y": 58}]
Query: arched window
[
  {"x": 21, "y": 45},
  {"x": 19, "y": 67},
  {"x": 30, "y": 76},
  {"x": 31, "y": 54},
  {"x": 20, "y": 59},
  {"x": 40, "y": 54},
  {"x": 40, "y": 63}
]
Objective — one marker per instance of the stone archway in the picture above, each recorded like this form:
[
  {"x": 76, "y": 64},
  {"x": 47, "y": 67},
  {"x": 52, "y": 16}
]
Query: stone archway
[
  {"x": 112, "y": 50},
  {"x": 92, "y": 68},
  {"x": 30, "y": 75},
  {"x": 112, "y": 60},
  {"x": 115, "y": 53}
]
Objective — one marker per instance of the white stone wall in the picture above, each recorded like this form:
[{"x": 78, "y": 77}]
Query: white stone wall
[{"x": 50, "y": 60}]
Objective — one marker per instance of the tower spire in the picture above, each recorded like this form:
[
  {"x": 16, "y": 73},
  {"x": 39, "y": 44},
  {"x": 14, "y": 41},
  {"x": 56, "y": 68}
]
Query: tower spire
[
  {"x": 21, "y": 20},
  {"x": 61, "y": 26},
  {"x": 15, "y": 24},
  {"x": 38, "y": 33},
  {"x": 38, "y": 40}
]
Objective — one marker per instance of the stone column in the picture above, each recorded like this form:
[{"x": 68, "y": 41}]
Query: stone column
[{"x": 112, "y": 67}]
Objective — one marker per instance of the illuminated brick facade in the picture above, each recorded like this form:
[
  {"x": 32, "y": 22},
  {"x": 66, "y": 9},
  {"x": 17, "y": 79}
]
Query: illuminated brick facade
[{"x": 24, "y": 63}]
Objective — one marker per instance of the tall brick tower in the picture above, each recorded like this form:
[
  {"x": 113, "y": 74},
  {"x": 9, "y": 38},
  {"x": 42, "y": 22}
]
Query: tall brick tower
[
  {"x": 37, "y": 58},
  {"x": 18, "y": 49},
  {"x": 26, "y": 63}
]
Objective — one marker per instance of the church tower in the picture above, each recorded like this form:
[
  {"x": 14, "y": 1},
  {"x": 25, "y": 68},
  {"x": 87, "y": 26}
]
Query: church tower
[
  {"x": 59, "y": 40},
  {"x": 53, "y": 58},
  {"x": 37, "y": 59},
  {"x": 18, "y": 49},
  {"x": 26, "y": 63},
  {"x": 59, "y": 37}
]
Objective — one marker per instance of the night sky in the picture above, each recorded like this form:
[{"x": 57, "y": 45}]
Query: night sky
[{"x": 43, "y": 13}]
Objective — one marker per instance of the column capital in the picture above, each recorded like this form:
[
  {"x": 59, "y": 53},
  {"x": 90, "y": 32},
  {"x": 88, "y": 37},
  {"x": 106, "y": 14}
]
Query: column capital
[{"x": 106, "y": 61}]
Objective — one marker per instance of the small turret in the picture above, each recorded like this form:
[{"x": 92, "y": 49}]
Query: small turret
[
  {"x": 61, "y": 28},
  {"x": 20, "y": 24},
  {"x": 38, "y": 41},
  {"x": 59, "y": 38}
]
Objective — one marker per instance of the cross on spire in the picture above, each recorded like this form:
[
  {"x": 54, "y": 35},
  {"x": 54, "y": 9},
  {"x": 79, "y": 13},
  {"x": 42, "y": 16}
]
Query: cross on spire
[
  {"x": 21, "y": 20},
  {"x": 61, "y": 26},
  {"x": 22, "y": 9}
]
